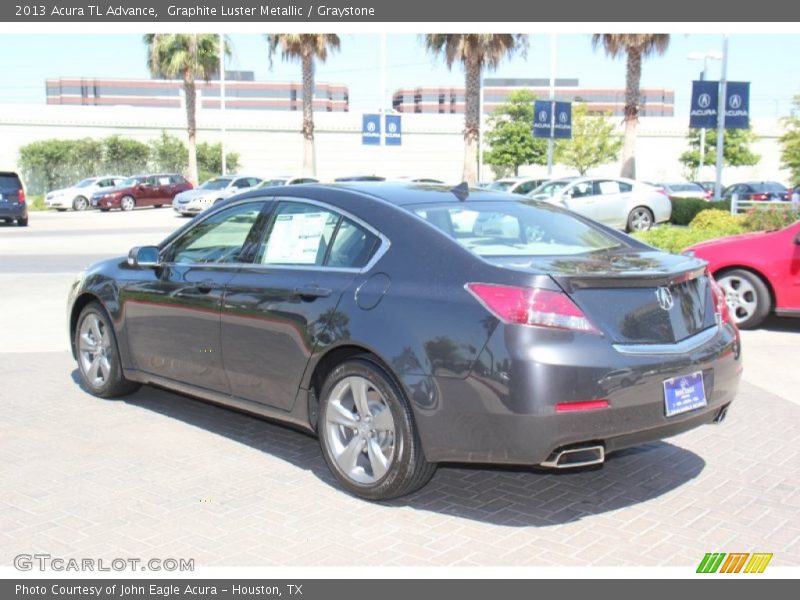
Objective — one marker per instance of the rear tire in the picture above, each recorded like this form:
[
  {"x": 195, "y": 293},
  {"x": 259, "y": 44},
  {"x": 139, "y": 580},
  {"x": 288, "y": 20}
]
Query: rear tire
[
  {"x": 61, "y": 210},
  {"x": 22, "y": 222},
  {"x": 640, "y": 219},
  {"x": 749, "y": 300},
  {"x": 98, "y": 355},
  {"x": 80, "y": 204},
  {"x": 367, "y": 433}
]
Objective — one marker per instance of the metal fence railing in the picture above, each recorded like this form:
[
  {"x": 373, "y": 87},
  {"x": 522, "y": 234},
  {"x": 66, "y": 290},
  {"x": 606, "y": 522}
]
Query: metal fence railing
[{"x": 742, "y": 206}]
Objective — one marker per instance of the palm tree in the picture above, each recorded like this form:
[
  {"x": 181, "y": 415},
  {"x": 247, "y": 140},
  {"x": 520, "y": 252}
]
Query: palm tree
[
  {"x": 636, "y": 46},
  {"x": 305, "y": 47},
  {"x": 475, "y": 51},
  {"x": 185, "y": 56}
]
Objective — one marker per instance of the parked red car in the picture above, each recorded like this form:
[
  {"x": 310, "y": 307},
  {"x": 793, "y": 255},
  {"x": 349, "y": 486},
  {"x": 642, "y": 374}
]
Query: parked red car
[
  {"x": 141, "y": 190},
  {"x": 759, "y": 273}
]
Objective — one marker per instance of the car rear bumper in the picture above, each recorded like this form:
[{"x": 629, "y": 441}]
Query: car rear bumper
[
  {"x": 187, "y": 209},
  {"x": 13, "y": 210},
  {"x": 505, "y": 410}
]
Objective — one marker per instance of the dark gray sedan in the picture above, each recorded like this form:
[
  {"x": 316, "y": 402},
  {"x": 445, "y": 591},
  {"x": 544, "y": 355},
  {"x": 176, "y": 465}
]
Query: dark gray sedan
[{"x": 408, "y": 325}]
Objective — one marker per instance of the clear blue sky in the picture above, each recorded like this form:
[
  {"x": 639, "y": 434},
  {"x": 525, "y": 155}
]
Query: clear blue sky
[{"x": 770, "y": 62}]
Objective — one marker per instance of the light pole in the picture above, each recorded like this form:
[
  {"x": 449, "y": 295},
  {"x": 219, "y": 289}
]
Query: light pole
[
  {"x": 721, "y": 106},
  {"x": 222, "y": 101},
  {"x": 704, "y": 56},
  {"x": 550, "y": 142}
]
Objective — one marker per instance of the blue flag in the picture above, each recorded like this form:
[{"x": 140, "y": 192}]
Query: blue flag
[
  {"x": 705, "y": 99},
  {"x": 393, "y": 130},
  {"x": 562, "y": 126},
  {"x": 371, "y": 130},
  {"x": 737, "y": 105},
  {"x": 542, "y": 119}
]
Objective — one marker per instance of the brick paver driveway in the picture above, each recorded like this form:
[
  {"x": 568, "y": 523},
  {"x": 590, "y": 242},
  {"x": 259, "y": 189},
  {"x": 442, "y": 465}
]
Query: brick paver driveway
[{"x": 160, "y": 475}]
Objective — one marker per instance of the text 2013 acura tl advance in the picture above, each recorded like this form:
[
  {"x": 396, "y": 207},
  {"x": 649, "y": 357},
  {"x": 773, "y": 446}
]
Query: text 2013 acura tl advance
[{"x": 409, "y": 325}]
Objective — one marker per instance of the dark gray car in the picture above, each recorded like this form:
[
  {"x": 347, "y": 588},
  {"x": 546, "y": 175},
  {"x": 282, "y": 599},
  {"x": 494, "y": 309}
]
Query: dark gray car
[
  {"x": 412, "y": 325},
  {"x": 12, "y": 199}
]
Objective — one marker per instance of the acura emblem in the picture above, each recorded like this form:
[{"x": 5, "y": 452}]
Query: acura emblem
[{"x": 664, "y": 297}]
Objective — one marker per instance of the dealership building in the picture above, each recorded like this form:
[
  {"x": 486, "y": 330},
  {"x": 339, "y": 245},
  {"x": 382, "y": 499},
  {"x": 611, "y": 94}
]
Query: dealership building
[
  {"x": 653, "y": 102},
  {"x": 241, "y": 92}
]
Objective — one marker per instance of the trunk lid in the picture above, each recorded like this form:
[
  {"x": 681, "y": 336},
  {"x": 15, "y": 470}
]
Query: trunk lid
[{"x": 633, "y": 297}]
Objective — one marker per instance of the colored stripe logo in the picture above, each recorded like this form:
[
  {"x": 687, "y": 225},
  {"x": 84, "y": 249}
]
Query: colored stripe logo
[{"x": 734, "y": 562}]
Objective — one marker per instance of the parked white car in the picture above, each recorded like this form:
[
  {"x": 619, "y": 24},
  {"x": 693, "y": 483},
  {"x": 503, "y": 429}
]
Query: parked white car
[
  {"x": 212, "y": 191},
  {"x": 620, "y": 203},
  {"x": 516, "y": 185},
  {"x": 77, "y": 197},
  {"x": 288, "y": 180}
]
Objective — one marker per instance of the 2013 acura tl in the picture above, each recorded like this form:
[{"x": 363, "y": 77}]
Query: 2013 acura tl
[{"x": 409, "y": 325}]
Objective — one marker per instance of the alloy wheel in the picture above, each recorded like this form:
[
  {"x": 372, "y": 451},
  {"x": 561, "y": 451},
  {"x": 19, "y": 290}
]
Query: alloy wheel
[
  {"x": 127, "y": 203},
  {"x": 361, "y": 431},
  {"x": 94, "y": 350},
  {"x": 741, "y": 297},
  {"x": 641, "y": 219}
]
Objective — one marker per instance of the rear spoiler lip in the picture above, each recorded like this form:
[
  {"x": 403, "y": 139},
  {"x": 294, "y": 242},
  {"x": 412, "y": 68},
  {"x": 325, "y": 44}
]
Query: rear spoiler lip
[{"x": 631, "y": 279}]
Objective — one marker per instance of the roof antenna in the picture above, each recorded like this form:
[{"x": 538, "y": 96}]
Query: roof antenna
[{"x": 461, "y": 191}]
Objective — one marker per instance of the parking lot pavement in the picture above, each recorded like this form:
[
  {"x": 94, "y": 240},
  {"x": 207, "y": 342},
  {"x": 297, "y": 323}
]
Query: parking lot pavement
[{"x": 157, "y": 474}]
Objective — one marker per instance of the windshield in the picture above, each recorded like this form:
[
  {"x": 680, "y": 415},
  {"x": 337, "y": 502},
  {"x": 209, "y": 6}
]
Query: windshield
[
  {"x": 500, "y": 186},
  {"x": 515, "y": 229},
  {"x": 550, "y": 189},
  {"x": 769, "y": 187},
  {"x": 216, "y": 184},
  {"x": 684, "y": 187},
  {"x": 85, "y": 182}
]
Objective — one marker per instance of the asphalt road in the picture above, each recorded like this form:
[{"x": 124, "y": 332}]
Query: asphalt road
[{"x": 157, "y": 474}]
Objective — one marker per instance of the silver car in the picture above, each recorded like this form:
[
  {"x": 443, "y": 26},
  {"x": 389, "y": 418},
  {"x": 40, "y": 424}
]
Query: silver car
[
  {"x": 620, "y": 203},
  {"x": 212, "y": 191},
  {"x": 77, "y": 196}
]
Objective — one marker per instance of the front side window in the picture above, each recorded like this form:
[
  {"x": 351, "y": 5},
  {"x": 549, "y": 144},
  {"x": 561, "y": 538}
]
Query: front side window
[
  {"x": 307, "y": 235},
  {"x": 220, "y": 238}
]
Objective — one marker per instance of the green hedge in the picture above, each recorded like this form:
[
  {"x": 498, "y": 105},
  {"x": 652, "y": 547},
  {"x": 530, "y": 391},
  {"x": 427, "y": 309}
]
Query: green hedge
[{"x": 684, "y": 210}]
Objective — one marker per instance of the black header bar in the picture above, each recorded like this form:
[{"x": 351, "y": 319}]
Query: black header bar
[{"x": 377, "y": 11}]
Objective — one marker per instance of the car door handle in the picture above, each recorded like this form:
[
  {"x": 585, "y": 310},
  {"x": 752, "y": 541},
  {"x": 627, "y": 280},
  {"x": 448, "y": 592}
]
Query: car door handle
[
  {"x": 312, "y": 291},
  {"x": 205, "y": 287}
]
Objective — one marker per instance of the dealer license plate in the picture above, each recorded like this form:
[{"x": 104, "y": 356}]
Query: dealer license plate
[{"x": 685, "y": 393}]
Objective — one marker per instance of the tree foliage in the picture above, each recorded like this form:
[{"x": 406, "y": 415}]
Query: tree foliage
[
  {"x": 510, "y": 137},
  {"x": 790, "y": 143},
  {"x": 736, "y": 150},
  {"x": 594, "y": 141}
]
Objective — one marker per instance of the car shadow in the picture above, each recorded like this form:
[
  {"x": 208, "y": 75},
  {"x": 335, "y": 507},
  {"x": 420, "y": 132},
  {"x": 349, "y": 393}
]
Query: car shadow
[
  {"x": 500, "y": 495},
  {"x": 781, "y": 324}
]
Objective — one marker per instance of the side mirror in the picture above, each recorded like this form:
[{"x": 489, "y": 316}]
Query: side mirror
[{"x": 144, "y": 257}]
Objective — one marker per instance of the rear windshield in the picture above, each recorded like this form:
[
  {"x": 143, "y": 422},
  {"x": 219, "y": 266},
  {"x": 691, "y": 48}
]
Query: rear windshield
[
  {"x": 9, "y": 181},
  {"x": 515, "y": 229},
  {"x": 769, "y": 187},
  {"x": 500, "y": 186}
]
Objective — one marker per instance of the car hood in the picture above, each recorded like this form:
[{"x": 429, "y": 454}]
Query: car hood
[
  {"x": 68, "y": 190},
  {"x": 197, "y": 193}
]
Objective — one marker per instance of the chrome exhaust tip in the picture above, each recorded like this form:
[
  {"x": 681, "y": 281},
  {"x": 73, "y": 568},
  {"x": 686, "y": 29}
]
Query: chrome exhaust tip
[
  {"x": 723, "y": 412},
  {"x": 570, "y": 458}
]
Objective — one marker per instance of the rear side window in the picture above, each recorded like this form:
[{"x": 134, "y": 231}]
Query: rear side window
[
  {"x": 10, "y": 182},
  {"x": 515, "y": 229}
]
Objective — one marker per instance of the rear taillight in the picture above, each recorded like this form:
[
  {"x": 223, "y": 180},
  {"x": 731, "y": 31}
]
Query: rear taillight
[
  {"x": 21, "y": 196},
  {"x": 532, "y": 306},
  {"x": 720, "y": 304}
]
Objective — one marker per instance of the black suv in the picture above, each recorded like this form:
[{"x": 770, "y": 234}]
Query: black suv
[{"x": 12, "y": 199}]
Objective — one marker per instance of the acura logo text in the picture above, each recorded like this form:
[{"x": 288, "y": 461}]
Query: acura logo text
[{"x": 664, "y": 297}]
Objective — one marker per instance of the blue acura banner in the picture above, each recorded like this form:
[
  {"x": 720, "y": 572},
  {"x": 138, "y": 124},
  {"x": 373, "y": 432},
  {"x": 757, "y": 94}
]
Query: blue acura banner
[
  {"x": 393, "y": 130},
  {"x": 737, "y": 105},
  {"x": 562, "y": 124},
  {"x": 371, "y": 130},
  {"x": 542, "y": 118},
  {"x": 705, "y": 99}
]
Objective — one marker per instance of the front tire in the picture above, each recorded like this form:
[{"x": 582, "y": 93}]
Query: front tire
[
  {"x": 749, "y": 301},
  {"x": 127, "y": 203},
  {"x": 367, "y": 433},
  {"x": 640, "y": 219},
  {"x": 80, "y": 204},
  {"x": 98, "y": 355}
]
